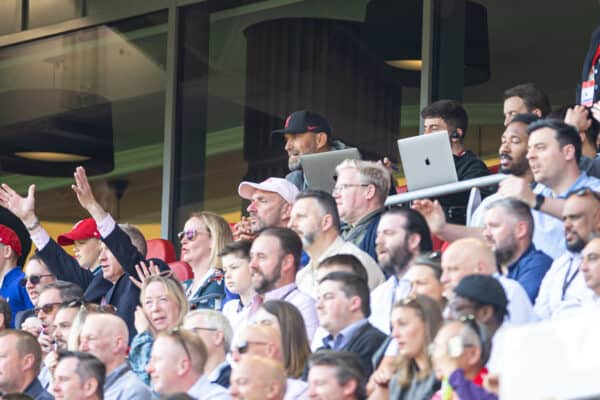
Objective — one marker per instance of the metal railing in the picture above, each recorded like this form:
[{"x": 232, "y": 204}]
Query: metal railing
[{"x": 448, "y": 188}]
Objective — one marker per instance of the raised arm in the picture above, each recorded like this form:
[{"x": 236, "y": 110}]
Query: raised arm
[
  {"x": 436, "y": 220},
  {"x": 60, "y": 263}
]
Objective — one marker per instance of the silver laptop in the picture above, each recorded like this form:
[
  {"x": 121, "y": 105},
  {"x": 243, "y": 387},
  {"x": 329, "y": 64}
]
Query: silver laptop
[
  {"x": 427, "y": 160},
  {"x": 319, "y": 168}
]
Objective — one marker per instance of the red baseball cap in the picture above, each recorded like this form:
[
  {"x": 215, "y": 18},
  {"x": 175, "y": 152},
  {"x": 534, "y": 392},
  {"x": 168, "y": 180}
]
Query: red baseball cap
[
  {"x": 9, "y": 238},
  {"x": 84, "y": 229}
]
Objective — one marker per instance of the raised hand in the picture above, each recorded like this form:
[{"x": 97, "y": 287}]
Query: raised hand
[
  {"x": 144, "y": 272},
  {"x": 433, "y": 213},
  {"x": 85, "y": 196},
  {"x": 22, "y": 207}
]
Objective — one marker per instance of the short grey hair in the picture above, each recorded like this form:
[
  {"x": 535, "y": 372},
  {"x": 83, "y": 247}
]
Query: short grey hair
[
  {"x": 371, "y": 173},
  {"x": 136, "y": 236},
  {"x": 216, "y": 320}
]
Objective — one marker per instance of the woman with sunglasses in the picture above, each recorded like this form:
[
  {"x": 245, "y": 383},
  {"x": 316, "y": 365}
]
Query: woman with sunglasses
[
  {"x": 415, "y": 322},
  {"x": 163, "y": 307},
  {"x": 287, "y": 319},
  {"x": 202, "y": 239}
]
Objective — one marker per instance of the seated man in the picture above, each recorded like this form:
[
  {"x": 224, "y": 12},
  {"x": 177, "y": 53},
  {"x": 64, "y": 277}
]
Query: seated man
[
  {"x": 343, "y": 308},
  {"x": 106, "y": 337},
  {"x": 590, "y": 268},
  {"x": 79, "y": 376},
  {"x": 525, "y": 98},
  {"x": 315, "y": 219},
  {"x": 335, "y": 375},
  {"x": 265, "y": 341},
  {"x": 257, "y": 378},
  {"x": 270, "y": 206},
  {"x": 450, "y": 116},
  {"x": 305, "y": 132},
  {"x": 177, "y": 365},
  {"x": 21, "y": 357},
  {"x": 360, "y": 192},
  {"x": 460, "y": 351},
  {"x": 215, "y": 330}
]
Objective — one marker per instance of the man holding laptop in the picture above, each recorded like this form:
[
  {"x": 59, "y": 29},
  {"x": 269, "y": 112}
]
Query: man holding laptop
[{"x": 450, "y": 116}]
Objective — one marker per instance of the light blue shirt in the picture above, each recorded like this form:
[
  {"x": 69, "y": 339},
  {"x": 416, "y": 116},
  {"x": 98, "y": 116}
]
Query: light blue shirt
[
  {"x": 205, "y": 390},
  {"x": 343, "y": 337},
  {"x": 123, "y": 384}
]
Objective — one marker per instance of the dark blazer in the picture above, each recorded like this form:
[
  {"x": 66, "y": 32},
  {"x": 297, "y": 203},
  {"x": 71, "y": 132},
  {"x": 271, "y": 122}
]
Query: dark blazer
[
  {"x": 365, "y": 343},
  {"x": 587, "y": 64},
  {"x": 124, "y": 295}
]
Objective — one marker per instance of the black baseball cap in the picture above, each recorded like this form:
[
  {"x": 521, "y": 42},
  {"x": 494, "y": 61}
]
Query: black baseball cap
[
  {"x": 305, "y": 121},
  {"x": 483, "y": 289}
]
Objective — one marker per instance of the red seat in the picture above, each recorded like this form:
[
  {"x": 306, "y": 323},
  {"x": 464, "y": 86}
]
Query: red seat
[
  {"x": 161, "y": 249},
  {"x": 181, "y": 270}
]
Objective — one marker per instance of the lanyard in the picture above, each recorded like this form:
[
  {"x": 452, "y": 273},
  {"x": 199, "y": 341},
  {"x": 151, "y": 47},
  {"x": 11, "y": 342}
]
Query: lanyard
[{"x": 568, "y": 280}]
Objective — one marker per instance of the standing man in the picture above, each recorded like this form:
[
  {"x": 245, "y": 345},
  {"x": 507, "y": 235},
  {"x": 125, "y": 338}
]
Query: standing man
[
  {"x": 274, "y": 262},
  {"x": 106, "y": 337},
  {"x": 450, "y": 116},
  {"x": 20, "y": 360},
  {"x": 315, "y": 219},
  {"x": 401, "y": 235},
  {"x": 11, "y": 274},
  {"x": 305, "y": 132},
  {"x": 509, "y": 230},
  {"x": 360, "y": 192}
]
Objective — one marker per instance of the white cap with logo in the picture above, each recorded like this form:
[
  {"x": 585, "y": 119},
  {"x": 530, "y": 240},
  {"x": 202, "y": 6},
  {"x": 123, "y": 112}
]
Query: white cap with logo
[{"x": 286, "y": 189}]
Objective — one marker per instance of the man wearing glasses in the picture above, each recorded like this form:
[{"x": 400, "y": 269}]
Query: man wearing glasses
[
  {"x": 360, "y": 192},
  {"x": 214, "y": 329},
  {"x": 177, "y": 365}
]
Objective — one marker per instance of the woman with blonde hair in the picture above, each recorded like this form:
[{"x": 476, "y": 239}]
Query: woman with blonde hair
[
  {"x": 203, "y": 237},
  {"x": 415, "y": 322},
  {"x": 163, "y": 307}
]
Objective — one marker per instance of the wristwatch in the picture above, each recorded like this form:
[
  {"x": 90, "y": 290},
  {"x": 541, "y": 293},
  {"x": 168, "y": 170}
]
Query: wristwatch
[{"x": 539, "y": 200}]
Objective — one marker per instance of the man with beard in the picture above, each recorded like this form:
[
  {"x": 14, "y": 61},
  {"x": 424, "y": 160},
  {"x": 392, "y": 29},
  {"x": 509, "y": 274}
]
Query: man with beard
[
  {"x": 270, "y": 205},
  {"x": 401, "y": 235},
  {"x": 316, "y": 220},
  {"x": 563, "y": 286},
  {"x": 305, "y": 132},
  {"x": 509, "y": 229},
  {"x": 274, "y": 262}
]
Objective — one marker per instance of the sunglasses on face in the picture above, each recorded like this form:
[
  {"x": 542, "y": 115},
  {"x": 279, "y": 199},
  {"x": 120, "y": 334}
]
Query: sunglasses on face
[
  {"x": 190, "y": 234},
  {"x": 34, "y": 279},
  {"x": 46, "y": 308},
  {"x": 584, "y": 192},
  {"x": 93, "y": 307},
  {"x": 243, "y": 346}
]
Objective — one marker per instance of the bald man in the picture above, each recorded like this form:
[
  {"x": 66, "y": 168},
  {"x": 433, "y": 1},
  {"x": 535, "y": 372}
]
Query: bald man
[
  {"x": 473, "y": 256},
  {"x": 106, "y": 337},
  {"x": 265, "y": 341},
  {"x": 257, "y": 378}
]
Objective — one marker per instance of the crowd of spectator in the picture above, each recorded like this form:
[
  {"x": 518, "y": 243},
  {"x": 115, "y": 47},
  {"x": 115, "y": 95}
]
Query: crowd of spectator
[{"x": 315, "y": 295}]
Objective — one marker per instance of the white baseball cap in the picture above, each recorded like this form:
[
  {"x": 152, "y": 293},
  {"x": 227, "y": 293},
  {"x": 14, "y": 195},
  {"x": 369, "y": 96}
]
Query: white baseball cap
[{"x": 282, "y": 187}]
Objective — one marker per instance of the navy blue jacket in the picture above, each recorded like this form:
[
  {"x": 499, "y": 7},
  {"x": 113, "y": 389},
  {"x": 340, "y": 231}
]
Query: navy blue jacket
[
  {"x": 124, "y": 295},
  {"x": 14, "y": 293},
  {"x": 529, "y": 270}
]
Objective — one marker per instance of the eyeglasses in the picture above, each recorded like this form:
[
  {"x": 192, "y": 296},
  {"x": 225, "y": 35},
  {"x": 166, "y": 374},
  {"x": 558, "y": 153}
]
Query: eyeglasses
[
  {"x": 190, "y": 234},
  {"x": 583, "y": 192},
  {"x": 46, "y": 308},
  {"x": 176, "y": 333},
  {"x": 243, "y": 346},
  {"x": 34, "y": 279},
  {"x": 340, "y": 187}
]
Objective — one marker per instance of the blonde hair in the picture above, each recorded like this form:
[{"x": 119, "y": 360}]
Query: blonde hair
[
  {"x": 219, "y": 232},
  {"x": 370, "y": 173},
  {"x": 428, "y": 311},
  {"x": 174, "y": 289}
]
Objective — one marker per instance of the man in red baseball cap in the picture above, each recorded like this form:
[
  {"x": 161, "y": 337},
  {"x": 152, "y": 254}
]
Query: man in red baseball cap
[
  {"x": 86, "y": 240},
  {"x": 10, "y": 273}
]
